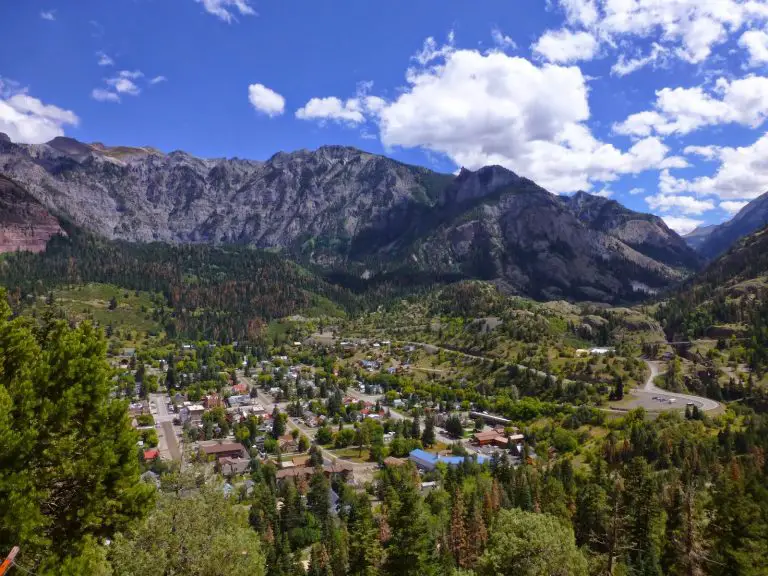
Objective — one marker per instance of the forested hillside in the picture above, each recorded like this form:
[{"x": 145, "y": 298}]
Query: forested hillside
[
  {"x": 222, "y": 293},
  {"x": 727, "y": 302}
]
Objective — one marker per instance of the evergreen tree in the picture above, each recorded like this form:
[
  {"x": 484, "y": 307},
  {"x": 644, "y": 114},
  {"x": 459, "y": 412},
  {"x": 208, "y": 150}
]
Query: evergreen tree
[
  {"x": 318, "y": 499},
  {"x": 68, "y": 462},
  {"x": 365, "y": 553},
  {"x": 529, "y": 544},
  {"x": 187, "y": 536},
  {"x": 409, "y": 550},
  {"x": 428, "y": 435},
  {"x": 278, "y": 423}
]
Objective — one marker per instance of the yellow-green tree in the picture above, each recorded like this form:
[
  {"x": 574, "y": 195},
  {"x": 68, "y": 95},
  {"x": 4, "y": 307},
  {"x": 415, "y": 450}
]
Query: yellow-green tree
[{"x": 191, "y": 535}]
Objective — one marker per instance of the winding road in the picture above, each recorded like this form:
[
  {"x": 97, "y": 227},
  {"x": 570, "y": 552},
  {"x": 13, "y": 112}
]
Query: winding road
[
  {"x": 650, "y": 396},
  {"x": 654, "y": 397}
]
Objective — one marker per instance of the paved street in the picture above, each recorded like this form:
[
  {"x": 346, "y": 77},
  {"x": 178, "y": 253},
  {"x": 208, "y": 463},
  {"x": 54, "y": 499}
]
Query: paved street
[
  {"x": 645, "y": 396},
  {"x": 167, "y": 433}
]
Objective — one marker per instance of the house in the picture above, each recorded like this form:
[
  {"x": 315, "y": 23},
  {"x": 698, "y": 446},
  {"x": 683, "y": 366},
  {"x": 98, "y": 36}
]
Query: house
[
  {"x": 484, "y": 438},
  {"x": 232, "y": 466},
  {"x": 151, "y": 454},
  {"x": 241, "y": 388},
  {"x": 287, "y": 443},
  {"x": 224, "y": 450},
  {"x": 423, "y": 460},
  {"x": 137, "y": 408},
  {"x": 239, "y": 400},
  {"x": 192, "y": 413},
  {"x": 492, "y": 438},
  {"x": 212, "y": 401},
  {"x": 369, "y": 365}
]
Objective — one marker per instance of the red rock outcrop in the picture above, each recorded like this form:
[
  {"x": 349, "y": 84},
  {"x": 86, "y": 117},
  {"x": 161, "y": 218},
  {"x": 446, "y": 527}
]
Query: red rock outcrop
[{"x": 25, "y": 224}]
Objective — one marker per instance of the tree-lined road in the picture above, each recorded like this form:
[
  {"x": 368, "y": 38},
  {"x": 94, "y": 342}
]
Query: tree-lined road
[{"x": 168, "y": 442}]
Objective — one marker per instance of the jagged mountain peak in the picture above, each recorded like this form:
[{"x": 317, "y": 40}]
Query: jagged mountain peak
[{"x": 344, "y": 208}]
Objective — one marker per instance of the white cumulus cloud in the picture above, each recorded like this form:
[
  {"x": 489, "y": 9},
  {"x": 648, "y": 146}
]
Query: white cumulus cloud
[
  {"x": 685, "y": 204},
  {"x": 123, "y": 85},
  {"x": 742, "y": 173},
  {"x": 225, "y": 9},
  {"x": 102, "y": 95},
  {"x": 48, "y": 15},
  {"x": 683, "y": 110},
  {"x": 470, "y": 107},
  {"x": 682, "y": 224},
  {"x": 756, "y": 44},
  {"x": 691, "y": 28},
  {"x": 27, "y": 119},
  {"x": 350, "y": 111},
  {"x": 564, "y": 46},
  {"x": 266, "y": 100},
  {"x": 732, "y": 206}
]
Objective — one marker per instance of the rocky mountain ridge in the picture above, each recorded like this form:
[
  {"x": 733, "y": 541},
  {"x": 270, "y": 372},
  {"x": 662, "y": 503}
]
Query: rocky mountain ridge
[
  {"x": 345, "y": 209},
  {"x": 713, "y": 241}
]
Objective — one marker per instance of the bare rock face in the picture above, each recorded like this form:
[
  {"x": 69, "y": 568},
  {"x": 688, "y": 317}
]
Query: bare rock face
[
  {"x": 360, "y": 214},
  {"x": 25, "y": 224},
  {"x": 713, "y": 241}
]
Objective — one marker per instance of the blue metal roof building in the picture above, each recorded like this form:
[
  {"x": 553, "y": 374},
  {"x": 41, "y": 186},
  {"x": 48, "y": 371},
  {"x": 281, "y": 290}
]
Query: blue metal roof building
[{"x": 428, "y": 461}]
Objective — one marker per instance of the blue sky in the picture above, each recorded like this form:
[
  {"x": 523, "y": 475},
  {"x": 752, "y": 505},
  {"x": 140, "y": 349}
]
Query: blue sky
[{"x": 660, "y": 105}]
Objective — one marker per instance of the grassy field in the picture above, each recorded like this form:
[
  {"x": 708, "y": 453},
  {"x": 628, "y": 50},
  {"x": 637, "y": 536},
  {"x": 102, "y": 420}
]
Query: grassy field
[
  {"x": 130, "y": 321},
  {"x": 352, "y": 454}
]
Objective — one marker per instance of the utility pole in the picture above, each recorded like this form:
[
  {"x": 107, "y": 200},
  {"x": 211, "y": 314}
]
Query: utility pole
[{"x": 8, "y": 562}]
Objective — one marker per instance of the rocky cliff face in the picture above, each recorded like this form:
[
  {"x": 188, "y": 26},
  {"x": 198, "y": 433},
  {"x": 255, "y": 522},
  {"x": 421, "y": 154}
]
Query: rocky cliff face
[
  {"x": 719, "y": 239},
  {"x": 349, "y": 210},
  {"x": 25, "y": 224},
  {"x": 646, "y": 233}
]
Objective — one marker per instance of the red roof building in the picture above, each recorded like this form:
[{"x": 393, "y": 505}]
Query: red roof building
[{"x": 151, "y": 454}]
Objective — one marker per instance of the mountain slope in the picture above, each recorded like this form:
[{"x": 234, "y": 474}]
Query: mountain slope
[
  {"x": 699, "y": 235},
  {"x": 213, "y": 292},
  {"x": 724, "y": 298},
  {"x": 359, "y": 215},
  {"x": 646, "y": 233},
  {"x": 749, "y": 219},
  {"x": 25, "y": 224},
  {"x": 526, "y": 239}
]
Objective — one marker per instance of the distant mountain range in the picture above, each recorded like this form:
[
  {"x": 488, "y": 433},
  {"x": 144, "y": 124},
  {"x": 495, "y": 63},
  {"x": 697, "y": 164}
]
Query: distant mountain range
[
  {"x": 711, "y": 241},
  {"x": 356, "y": 215}
]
